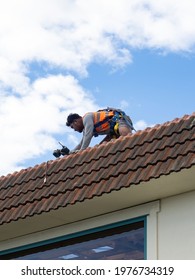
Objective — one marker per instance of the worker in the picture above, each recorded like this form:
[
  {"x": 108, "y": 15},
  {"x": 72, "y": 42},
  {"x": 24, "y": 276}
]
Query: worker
[{"x": 110, "y": 122}]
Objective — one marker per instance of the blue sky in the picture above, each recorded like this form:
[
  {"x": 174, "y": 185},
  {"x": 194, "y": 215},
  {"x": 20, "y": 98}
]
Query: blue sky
[
  {"x": 156, "y": 87},
  {"x": 64, "y": 56}
]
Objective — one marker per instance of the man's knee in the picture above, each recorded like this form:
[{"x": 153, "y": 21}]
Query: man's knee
[{"x": 124, "y": 130}]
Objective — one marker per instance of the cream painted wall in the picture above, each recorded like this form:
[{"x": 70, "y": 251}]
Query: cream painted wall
[
  {"x": 170, "y": 227},
  {"x": 176, "y": 227}
]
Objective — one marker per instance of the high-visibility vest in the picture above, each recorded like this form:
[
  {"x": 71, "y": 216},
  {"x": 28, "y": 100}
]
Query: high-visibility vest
[{"x": 102, "y": 121}]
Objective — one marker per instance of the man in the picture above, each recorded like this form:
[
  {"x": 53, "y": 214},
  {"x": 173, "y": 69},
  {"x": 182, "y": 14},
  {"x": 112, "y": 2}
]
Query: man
[{"x": 110, "y": 122}]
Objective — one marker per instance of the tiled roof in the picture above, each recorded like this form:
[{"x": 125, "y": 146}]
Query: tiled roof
[{"x": 108, "y": 167}]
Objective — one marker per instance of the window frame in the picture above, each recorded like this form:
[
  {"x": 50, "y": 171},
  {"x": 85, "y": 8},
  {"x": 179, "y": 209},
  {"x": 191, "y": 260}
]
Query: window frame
[{"x": 148, "y": 211}]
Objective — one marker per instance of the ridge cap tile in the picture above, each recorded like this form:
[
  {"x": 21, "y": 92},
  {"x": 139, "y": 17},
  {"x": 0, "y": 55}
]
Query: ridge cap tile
[{"x": 86, "y": 155}]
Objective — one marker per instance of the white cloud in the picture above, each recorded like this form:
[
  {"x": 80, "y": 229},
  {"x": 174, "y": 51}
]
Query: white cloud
[
  {"x": 73, "y": 140},
  {"x": 65, "y": 36},
  {"x": 124, "y": 104},
  {"x": 141, "y": 124},
  {"x": 28, "y": 123}
]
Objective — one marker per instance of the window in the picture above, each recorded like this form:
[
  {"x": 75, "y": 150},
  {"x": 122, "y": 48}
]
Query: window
[{"x": 119, "y": 241}]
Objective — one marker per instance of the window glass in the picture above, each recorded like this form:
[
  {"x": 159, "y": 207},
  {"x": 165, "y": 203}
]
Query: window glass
[{"x": 124, "y": 242}]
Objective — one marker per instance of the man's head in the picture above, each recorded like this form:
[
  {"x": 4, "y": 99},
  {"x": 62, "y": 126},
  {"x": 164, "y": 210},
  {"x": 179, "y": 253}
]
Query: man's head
[{"x": 75, "y": 121}]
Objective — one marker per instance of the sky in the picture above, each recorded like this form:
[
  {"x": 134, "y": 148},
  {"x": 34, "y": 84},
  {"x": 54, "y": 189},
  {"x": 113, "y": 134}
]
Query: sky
[{"x": 75, "y": 56}]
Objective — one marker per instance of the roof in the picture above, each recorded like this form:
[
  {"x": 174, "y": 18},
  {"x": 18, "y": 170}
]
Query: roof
[{"x": 100, "y": 170}]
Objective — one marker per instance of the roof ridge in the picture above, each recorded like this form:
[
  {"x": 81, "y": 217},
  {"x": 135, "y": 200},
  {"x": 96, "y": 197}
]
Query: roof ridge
[
  {"x": 137, "y": 133},
  {"x": 100, "y": 156}
]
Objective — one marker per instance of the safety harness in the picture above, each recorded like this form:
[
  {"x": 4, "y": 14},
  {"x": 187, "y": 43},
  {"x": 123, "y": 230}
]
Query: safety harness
[{"x": 112, "y": 116}]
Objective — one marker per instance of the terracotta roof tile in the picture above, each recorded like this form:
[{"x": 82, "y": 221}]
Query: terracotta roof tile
[{"x": 104, "y": 168}]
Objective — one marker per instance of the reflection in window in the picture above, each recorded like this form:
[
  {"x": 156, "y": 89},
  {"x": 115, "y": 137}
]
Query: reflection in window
[{"x": 124, "y": 242}]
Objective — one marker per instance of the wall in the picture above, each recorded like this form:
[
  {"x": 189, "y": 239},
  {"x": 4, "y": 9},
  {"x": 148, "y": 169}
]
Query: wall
[
  {"x": 170, "y": 227},
  {"x": 149, "y": 209},
  {"x": 176, "y": 227}
]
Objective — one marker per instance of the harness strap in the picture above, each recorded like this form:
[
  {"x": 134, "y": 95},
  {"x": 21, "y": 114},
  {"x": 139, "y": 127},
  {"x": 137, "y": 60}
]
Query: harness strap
[
  {"x": 114, "y": 121},
  {"x": 101, "y": 122}
]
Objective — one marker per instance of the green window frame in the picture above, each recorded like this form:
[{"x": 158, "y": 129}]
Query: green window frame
[{"x": 109, "y": 234}]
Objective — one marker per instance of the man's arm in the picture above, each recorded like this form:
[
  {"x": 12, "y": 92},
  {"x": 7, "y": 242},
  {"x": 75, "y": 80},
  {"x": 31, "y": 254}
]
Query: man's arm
[
  {"x": 88, "y": 130},
  {"x": 87, "y": 133}
]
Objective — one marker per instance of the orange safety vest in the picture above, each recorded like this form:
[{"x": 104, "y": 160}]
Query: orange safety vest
[{"x": 102, "y": 120}]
